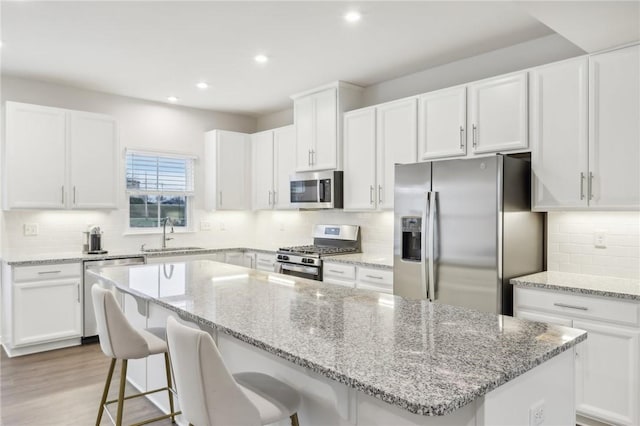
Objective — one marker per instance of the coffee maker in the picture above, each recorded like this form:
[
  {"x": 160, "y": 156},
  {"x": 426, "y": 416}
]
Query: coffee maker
[{"x": 93, "y": 241}]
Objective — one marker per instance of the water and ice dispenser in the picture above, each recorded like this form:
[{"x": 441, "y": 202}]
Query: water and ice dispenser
[{"x": 411, "y": 238}]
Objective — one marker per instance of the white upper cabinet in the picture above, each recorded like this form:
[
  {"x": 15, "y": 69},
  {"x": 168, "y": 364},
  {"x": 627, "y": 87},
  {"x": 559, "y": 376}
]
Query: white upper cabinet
[
  {"x": 396, "y": 141},
  {"x": 59, "y": 159},
  {"x": 559, "y": 127},
  {"x": 585, "y": 132},
  {"x": 360, "y": 159},
  {"x": 442, "y": 121},
  {"x": 227, "y": 170},
  {"x": 375, "y": 139},
  {"x": 284, "y": 165},
  {"x": 94, "y": 161},
  {"x": 318, "y": 122},
  {"x": 262, "y": 160},
  {"x": 273, "y": 162},
  {"x": 614, "y": 129},
  {"x": 498, "y": 114}
]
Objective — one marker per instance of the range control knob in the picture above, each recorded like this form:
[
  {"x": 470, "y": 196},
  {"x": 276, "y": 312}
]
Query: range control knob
[{"x": 281, "y": 257}]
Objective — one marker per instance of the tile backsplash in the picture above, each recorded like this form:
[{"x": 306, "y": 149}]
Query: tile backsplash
[{"x": 572, "y": 239}]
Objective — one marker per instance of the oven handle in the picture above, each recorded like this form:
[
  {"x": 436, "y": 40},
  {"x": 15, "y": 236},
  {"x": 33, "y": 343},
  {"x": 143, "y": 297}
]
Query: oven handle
[{"x": 296, "y": 268}]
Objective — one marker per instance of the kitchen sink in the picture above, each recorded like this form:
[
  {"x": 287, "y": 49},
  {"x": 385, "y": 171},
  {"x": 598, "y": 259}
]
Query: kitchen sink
[{"x": 167, "y": 249}]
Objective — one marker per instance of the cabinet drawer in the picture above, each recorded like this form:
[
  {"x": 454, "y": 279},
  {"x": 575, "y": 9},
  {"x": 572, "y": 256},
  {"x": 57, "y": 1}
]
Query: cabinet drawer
[
  {"x": 578, "y": 305},
  {"x": 379, "y": 287},
  {"x": 337, "y": 281},
  {"x": 265, "y": 262},
  {"x": 46, "y": 272},
  {"x": 376, "y": 276},
  {"x": 343, "y": 272}
]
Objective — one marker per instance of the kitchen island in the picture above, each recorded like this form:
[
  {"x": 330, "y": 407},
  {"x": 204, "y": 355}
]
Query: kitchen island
[{"x": 361, "y": 357}]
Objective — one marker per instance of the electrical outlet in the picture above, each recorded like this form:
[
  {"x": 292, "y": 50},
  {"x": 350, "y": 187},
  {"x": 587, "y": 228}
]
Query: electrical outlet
[
  {"x": 282, "y": 226},
  {"x": 600, "y": 239},
  {"x": 30, "y": 229},
  {"x": 536, "y": 414},
  {"x": 205, "y": 225},
  {"x": 222, "y": 227}
]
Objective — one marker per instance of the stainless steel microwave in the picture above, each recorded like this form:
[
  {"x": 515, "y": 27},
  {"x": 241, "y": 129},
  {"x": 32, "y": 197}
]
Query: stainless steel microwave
[{"x": 316, "y": 190}]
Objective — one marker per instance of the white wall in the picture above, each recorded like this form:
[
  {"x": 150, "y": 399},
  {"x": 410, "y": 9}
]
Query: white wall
[
  {"x": 142, "y": 125},
  {"x": 571, "y": 243},
  {"x": 276, "y": 119}
]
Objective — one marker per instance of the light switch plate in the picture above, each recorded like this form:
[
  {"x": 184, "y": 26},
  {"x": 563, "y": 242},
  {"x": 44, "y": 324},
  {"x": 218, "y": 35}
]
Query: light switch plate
[{"x": 30, "y": 229}]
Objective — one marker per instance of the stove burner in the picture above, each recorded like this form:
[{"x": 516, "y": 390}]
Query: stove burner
[{"x": 318, "y": 250}]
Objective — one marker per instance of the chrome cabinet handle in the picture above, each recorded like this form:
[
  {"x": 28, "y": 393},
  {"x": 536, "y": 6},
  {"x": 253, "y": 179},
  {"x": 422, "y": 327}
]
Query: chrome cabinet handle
[
  {"x": 62, "y": 193},
  {"x": 220, "y": 195},
  {"x": 563, "y": 305},
  {"x": 590, "y": 185},
  {"x": 380, "y": 194},
  {"x": 275, "y": 197},
  {"x": 475, "y": 136},
  {"x": 581, "y": 185},
  {"x": 461, "y": 137},
  {"x": 373, "y": 276},
  {"x": 371, "y": 189},
  {"x": 74, "y": 195},
  {"x": 313, "y": 157},
  {"x": 78, "y": 290},
  {"x": 309, "y": 158},
  {"x": 269, "y": 197},
  {"x": 336, "y": 272},
  {"x": 48, "y": 272}
]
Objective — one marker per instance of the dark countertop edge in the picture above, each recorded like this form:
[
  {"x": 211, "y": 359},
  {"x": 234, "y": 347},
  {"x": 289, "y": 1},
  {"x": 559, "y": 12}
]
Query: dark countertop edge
[
  {"x": 571, "y": 289},
  {"x": 412, "y": 407}
]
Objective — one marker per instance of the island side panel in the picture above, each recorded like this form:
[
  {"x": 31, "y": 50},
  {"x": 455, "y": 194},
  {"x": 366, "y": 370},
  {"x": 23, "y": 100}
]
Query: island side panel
[
  {"x": 549, "y": 387},
  {"x": 327, "y": 402}
]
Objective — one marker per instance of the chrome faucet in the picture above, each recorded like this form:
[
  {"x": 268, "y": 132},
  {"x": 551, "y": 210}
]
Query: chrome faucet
[{"x": 164, "y": 231}]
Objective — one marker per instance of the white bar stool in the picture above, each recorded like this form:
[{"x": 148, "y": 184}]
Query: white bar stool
[
  {"x": 210, "y": 396},
  {"x": 120, "y": 341}
]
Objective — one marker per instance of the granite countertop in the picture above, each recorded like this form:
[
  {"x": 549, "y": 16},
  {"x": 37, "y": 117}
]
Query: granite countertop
[
  {"x": 584, "y": 284},
  {"x": 363, "y": 259},
  {"x": 429, "y": 359}
]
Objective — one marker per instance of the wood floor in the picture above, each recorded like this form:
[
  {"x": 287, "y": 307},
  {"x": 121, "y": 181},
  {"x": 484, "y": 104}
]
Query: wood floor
[{"x": 63, "y": 387}]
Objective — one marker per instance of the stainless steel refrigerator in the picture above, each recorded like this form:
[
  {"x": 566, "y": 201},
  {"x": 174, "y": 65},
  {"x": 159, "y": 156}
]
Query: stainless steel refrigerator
[{"x": 462, "y": 229}]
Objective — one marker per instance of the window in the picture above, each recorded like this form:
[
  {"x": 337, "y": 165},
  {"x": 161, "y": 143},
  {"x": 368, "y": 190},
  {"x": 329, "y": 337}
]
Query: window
[{"x": 159, "y": 186}]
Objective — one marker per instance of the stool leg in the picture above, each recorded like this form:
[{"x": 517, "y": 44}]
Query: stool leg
[
  {"x": 123, "y": 382},
  {"x": 167, "y": 367},
  {"x": 107, "y": 384},
  {"x": 294, "y": 419}
]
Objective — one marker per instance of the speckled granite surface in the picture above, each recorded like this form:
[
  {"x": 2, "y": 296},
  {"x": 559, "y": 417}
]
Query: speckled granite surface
[
  {"x": 363, "y": 259},
  {"x": 583, "y": 284},
  {"x": 429, "y": 359}
]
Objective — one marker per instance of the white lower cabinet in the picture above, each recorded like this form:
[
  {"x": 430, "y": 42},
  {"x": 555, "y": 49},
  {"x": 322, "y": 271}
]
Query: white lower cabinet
[
  {"x": 608, "y": 362},
  {"x": 265, "y": 262},
  {"x": 339, "y": 274},
  {"x": 42, "y": 307},
  {"x": 380, "y": 280}
]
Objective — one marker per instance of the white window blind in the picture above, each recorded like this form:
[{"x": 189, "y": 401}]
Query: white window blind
[{"x": 153, "y": 173}]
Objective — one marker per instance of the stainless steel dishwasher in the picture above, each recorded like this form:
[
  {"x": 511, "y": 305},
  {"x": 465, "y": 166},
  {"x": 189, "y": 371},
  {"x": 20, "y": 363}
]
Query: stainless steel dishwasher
[{"x": 90, "y": 328}]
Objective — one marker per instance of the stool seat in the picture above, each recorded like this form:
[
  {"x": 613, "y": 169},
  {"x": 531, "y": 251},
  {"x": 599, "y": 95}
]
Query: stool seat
[
  {"x": 211, "y": 396},
  {"x": 275, "y": 400},
  {"x": 155, "y": 344}
]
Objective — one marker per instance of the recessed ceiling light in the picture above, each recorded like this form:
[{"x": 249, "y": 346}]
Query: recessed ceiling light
[
  {"x": 202, "y": 85},
  {"x": 172, "y": 99},
  {"x": 261, "y": 59},
  {"x": 352, "y": 16}
]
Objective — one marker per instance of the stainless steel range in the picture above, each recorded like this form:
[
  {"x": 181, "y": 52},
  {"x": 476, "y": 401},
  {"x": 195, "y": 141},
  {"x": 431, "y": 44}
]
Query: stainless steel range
[{"x": 328, "y": 240}]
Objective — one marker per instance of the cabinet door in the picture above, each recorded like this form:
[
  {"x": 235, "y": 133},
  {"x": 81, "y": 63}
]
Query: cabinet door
[
  {"x": 46, "y": 311},
  {"x": 441, "y": 124},
  {"x": 607, "y": 373},
  {"x": 249, "y": 260},
  {"x": 284, "y": 164},
  {"x": 305, "y": 133},
  {"x": 614, "y": 129},
  {"x": 35, "y": 157},
  {"x": 93, "y": 157},
  {"x": 262, "y": 160},
  {"x": 325, "y": 151},
  {"x": 498, "y": 114},
  {"x": 360, "y": 160},
  {"x": 233, "y": 171},
  {"x": 234, "y": 258},
  {"x": 396, "y": 140},
  {"x": 559, "y": 127}
]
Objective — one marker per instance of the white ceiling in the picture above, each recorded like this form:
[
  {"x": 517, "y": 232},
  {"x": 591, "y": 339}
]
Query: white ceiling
[{"x": 151, "y": 50}]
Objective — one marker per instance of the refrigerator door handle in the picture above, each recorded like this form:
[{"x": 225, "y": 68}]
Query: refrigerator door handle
[
  {"x": 424, "y": 252},
  {"x": 431, "y": 246}
]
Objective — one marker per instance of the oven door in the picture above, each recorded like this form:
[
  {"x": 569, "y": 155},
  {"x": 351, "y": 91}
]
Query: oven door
[{"x": 308, "y": 272}]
